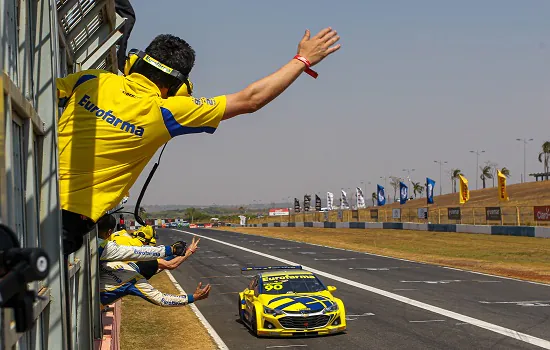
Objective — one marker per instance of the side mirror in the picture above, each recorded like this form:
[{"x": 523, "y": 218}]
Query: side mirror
[
  {"x": 331, "y": 289},
  {"x": 249, "y": 293}
]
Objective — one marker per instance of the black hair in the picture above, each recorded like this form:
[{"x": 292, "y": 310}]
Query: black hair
[
  {"x": 169, "y": 50},
  {"x": 105, "y": 223}
]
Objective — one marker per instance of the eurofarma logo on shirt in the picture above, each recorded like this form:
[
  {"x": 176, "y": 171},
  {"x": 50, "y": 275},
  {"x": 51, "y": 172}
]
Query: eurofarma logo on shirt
[{"x": 109, "y": 117}]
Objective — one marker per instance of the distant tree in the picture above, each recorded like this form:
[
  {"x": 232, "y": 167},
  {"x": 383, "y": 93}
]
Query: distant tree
[
  {"x": 454, "y": 178},
  {"x": 417, "y": 188},
  {"x": 544, "y": 156},
  {"x": 374, "y": 198},
  {"x": 505, "y": 171},
  {"x": 394, "y": 182},
  {"x": 142, "y": 213},
  {"x": 493, "y": 169},
  {"x": 242, "y": 210},
  {"x": 485, "y": 174},
  {"x": 190, "y": 213}
]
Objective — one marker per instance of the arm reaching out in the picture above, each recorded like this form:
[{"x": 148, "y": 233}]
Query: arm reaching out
[
  {"x": 144, "y": 290},
  {"x": 110, "y": 251},
  {"x": 265, "y": 90}
]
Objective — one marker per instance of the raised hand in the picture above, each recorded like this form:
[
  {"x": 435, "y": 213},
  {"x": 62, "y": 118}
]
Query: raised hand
[
  {"x": 193, "y": 246},
  {"x": 201, "y": 293},
  {"x": 315, "y": 49}
]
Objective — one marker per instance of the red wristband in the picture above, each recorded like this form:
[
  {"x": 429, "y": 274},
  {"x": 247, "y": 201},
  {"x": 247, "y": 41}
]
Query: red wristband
[{"x": 308, "y": 70}]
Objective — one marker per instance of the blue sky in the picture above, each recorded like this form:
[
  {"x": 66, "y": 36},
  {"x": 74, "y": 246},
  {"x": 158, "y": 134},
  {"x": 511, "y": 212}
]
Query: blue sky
[{"x": 414, "y": 82}]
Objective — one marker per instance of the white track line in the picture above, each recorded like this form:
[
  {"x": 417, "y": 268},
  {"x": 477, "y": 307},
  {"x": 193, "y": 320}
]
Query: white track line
[
  {"x": 394, "y": 258},
  {"x": 447, "y": 313},
  {"x": 205, "y": 323}
]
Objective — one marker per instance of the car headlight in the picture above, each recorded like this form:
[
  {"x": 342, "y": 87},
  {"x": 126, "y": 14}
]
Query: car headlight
[
  {"x": 332, "y": 308},
  {"x": 271, "y": 311}
]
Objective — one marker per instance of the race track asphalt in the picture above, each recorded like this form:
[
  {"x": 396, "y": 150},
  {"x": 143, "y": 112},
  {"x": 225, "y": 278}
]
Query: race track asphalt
[{"x": 390, "y": 303}]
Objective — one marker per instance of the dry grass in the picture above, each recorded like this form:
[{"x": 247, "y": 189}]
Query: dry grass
[
  {"x": 147, "y": 326},
  {"x": 519, "y": 257}
]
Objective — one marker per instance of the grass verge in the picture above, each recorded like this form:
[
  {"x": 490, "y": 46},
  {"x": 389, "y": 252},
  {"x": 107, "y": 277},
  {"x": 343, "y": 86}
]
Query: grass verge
[
  {"x": 145, "y": 326},
  {"x": 519, "y": 257}
]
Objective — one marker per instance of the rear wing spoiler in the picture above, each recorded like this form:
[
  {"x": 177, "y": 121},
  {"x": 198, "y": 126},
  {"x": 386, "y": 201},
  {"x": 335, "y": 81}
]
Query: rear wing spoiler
[{"x": 268, "y": 268}]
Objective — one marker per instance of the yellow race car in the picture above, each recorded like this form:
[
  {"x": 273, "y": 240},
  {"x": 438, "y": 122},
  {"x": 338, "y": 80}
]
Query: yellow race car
[{"x": 289, "y": 301}]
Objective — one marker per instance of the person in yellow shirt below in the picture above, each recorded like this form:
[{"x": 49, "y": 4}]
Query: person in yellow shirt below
[
  {"x": 112, "y": 125},
  {"x": 144, "y": 236}
]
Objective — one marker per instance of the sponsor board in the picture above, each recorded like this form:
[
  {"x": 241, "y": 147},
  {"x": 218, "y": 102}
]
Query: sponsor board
[
  {"x": 542, "y": 213},
  {"x": 396, "y": 213},
  {"x": 422, "y": 213},
  {"x": 454, "y": 213},
  {"x": 279, "y": 212},
  {"x": 493, "y": 213},
  {"x": 374, "y": 214}
]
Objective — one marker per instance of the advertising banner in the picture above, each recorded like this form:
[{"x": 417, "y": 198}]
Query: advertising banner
[
  {"x": 422, "y": 213},
  {"x": 279, "y": 212},
  {"x": 493, "y": 213},
  {"x": 542, "y": 213},
  {"x": 454, "y": 213},
  {"x": 396, "y": 213}
]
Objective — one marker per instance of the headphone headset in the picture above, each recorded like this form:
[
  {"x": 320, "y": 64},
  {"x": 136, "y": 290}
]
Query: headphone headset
[{"x": 137, "y": 57}]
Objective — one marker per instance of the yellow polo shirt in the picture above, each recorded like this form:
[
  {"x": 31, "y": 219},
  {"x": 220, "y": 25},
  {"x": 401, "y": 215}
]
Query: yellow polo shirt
[{"x": 111, "y": 127}]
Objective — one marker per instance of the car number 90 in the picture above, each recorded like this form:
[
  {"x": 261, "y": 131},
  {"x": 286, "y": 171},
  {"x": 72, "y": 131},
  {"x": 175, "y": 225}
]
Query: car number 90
[{"x": 269, "y": 287}]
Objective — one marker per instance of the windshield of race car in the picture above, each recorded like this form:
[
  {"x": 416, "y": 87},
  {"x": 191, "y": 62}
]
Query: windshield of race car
[{"x": 283, "y": 284}]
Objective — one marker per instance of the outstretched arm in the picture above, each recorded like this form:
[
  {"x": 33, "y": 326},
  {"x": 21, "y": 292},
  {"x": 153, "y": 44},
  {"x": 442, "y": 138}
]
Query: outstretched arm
[
  {"x": 146, "y": 291},
  {"x": 110, "y": 251},
  {"x": 172, "y": 264},
  {"x": 265, "y": 90}
]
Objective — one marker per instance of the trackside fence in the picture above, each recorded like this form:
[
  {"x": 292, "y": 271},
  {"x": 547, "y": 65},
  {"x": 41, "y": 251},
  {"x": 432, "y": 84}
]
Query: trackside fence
[{"x": 501, "y": 216}]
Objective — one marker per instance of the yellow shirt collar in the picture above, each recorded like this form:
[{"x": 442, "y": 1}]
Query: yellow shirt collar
[{"x": 143, "y": 81}]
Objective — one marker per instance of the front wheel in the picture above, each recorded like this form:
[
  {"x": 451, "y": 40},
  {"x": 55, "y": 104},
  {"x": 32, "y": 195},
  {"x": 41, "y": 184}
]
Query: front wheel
[
  {"x": 240, "y": 310},
  {"x": 254, "y": 323}
]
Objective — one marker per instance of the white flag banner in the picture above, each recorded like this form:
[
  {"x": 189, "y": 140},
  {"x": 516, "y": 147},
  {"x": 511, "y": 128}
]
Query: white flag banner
[
  {"x": 330, "y": 200},
  {"x": 360, "y": 198},
  {"x": 243, "y": 220},
  {"x": 344, "y": 200}
]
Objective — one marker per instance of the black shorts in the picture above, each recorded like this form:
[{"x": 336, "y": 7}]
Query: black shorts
[
  {"x": 148, "y": 268},
  {"x": 75, "y": 226}
]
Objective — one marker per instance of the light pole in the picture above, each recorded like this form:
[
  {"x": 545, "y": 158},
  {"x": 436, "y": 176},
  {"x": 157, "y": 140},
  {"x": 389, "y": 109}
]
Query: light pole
[
  {"x": 440, "y": 162},
  {"x": 385, "y": 187},
  {"x": 525, "y": 141},
  {"x": 409, "y": 175},
  {"x": 385, "y": 178},
  {"x": 477, "y": 152}
]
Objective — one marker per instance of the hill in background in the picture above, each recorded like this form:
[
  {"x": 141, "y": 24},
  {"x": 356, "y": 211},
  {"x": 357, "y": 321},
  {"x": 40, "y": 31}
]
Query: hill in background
[{"x": 526, "y": 194}]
